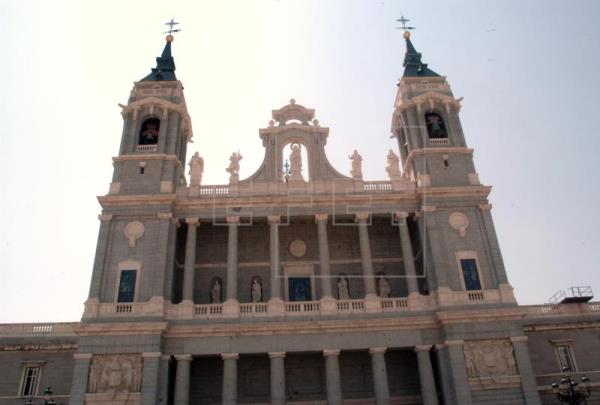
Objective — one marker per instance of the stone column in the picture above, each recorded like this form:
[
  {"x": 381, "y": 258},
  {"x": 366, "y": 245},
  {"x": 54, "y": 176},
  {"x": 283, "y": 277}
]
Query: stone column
[
  {"x": 80, "y": 378},
  {"x": 326, "y": 290},
  {"x": 276, "y": 304},
  {"x": 190, "y": 260},
  {"x": 458, "y": 367},
  {"x": 231, "y": 306},
  {"x": 229, "y": 378},
  {"x": 428, "y": 391},
  {"x": 277, "y": 378},
  {"x": 528, "y": 383},
  {"x": 163, "y": 378},
  {"x": 407, "y": 254},
  {"x": 380, "y": 379},
  {"x": 182, "y": 379},
  {"x": 162, "y": 264},
  {"x": 150, "y": 378},
  {"x": 332, "y": 372},
  {"x": 365, "y": 253}
]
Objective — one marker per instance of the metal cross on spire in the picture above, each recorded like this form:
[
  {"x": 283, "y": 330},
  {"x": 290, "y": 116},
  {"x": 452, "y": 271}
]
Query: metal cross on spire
[
  {"x": 171, "y": 24},
  {"x": 403, "y": 20}
]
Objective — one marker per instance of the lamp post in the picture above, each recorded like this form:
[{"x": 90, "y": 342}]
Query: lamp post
[
  {"x": 568, "y": 391},
  {"x": 47, "y": 398}
]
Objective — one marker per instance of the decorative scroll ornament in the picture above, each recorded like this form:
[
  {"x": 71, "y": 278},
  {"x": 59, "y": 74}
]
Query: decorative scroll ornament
[
  {"x": 115, "y": 373},
  {"x": 133, "y": 231},
  {"x": 196, "y": 170},
  {"x": 459, "y": 222},
  {"x": 298, "y": 248},
  {"x": 490, "y": 358}
]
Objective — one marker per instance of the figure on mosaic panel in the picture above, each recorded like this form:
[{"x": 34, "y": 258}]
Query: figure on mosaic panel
[
  {"x": 256, "y": 290},
  {"x": 215, "y": 291},
  {"x": 383, "y": 287},
  {"x": 342, "y": 286}
]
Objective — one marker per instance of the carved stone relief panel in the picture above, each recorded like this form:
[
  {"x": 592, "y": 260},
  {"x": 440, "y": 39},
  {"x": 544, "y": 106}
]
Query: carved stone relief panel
[
  {"x": 490, "y": 358},
  {"x": 115, "y": 373}
]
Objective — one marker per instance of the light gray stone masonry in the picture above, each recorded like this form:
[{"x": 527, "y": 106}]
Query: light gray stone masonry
[
  {"x": 332, "y": 372},
  {"x": 150, "y": 378},
  {"x": 182, "y": 379},
  {"x": 100, "y": 258},
  {"x": 380, "y": 377},
  {"x": 277, "y": 378},
  {"x": 324, "y": 267},
  {"x": 365, "y": 255},
  {"x": 274, "y": 256},
  {"x": 528, "y": 382},
  {"x": 458, "y": 368},
  {"x": 190, "y": 259},
  {"x": 232, "y": 258},
  {"x": 428, "y": 390},
  {"x": 230, "y": 378},
  {"x": 80, "y": 378},
  {"x": 407, "y": 254}
]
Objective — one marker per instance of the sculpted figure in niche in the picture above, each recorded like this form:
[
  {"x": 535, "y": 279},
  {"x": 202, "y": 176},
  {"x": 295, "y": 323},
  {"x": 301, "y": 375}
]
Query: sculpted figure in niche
[
  {"x": 356, "y": 165},
  {"x": 256, "y": 290},
  {"x": 342, "y": 286},
  {"x": 196, "y": 170},
  {"x": 393, "y": 165},
  {"x": 234, "y": 167},
  {"x": 384, "y": 287},
  {"x": 115, "y": 373},
  {"x": 296, "y": 162},
  {"x": 149, "y": 132},
  {"x": 215, "y": 292},
  {"x": 435, "y": 126}
]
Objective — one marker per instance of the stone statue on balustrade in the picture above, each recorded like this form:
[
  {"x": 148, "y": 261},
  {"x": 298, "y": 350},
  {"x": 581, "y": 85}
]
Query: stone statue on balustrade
[
  {"x": 234, "y": 167},
  {"x": 215, "y": 292},
  {"x": 256, "y": 290},
  {"x": 196, "y": 170},
  {"x": 115, "y": 373},
  {"x": 393, "y": 166},
  {"x": 383, "y": 287},
  {"x": 356, "y": 160},
  {"x": 296, "y": 162},
  {"x": 343, "y": 291}
]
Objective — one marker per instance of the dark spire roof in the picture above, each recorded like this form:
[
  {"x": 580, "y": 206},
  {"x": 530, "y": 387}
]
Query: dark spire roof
[
  {"x": 165, "y": 66},
  {"x": 413, "y": 65}
]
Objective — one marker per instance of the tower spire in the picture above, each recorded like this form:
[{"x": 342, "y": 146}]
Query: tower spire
[
  {"x": 165, "y": 64},
  {"x": 413, "y": 65}
]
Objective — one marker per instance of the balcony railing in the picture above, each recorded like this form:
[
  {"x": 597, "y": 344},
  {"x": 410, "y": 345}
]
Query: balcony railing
[
  {"x": 350, "y": 306},
  {"x": 302, "y": 307},
  {"x": 439, "y": 141},
  {"x": 394, "y": 304},
  {"x": 254, "y": 308},
  {"x": 147, "y": 148}
]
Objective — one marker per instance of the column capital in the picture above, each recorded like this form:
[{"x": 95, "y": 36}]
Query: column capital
[
  {"x": 320, "y": 217},
  {"x": 82, "y": 356},
  {"x": 233, "y": 220},
  {"x": 454, "y": 342},
  {"x": 485, "y": 207},
  {"x": 165, "y": 215},
  {"x": 183, "y": 357},
  {"x": 276, "y": 355},
  {"x": 105, "y": 217},
  {"x": 374, "y": 350},
  {"x": 361, "y": 216},
  {"x": 401, "y": 216},
  {"x": 331, "y": 352},
  {"x": 230, "y": 356},
  {"x": 519, "y": 339},
  {"x": 422, "y": 348},
  {"x": 192, "y": 221},
  {"x": 151, "y": 354},
  {"x": 274, "y": 219}
]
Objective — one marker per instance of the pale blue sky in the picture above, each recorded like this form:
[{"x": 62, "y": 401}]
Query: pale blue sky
[{"x": 526, "y": 71}]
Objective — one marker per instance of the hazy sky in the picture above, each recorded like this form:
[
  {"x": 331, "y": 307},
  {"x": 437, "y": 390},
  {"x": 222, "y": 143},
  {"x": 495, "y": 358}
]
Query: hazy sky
[{"x": 526, "y": 71}]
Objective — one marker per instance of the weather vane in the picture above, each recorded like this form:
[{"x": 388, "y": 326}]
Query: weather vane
[
  {"x": 403, "y": 20},
  {"x": 171, "y": 24}
]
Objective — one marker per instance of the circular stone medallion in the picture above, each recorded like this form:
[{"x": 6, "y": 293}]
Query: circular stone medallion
[{"x": 298, "y": 248}]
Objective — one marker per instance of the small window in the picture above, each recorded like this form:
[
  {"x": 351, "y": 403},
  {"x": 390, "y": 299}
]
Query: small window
[
  {"x": 127, "y": 286},
  {"x": 565, "y": 357},
  {"x": 149, "y": 132},
  {"x": 29, "y": 385},
  {"x": 436, "y": 128},
  {"x": 470, "y": 274}
]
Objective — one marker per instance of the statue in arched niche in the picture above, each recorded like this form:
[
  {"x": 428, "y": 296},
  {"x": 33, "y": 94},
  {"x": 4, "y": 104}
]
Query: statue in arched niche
[
  {"x": 256, "y": 290},
  {"x": 234, "y": 167},
  {"x": 383, "y": 287},
  {"x": 356, "y": 160},
  {"x": 149, "y": 132},
  {"x": 196, "y": 170},
  {"x": 435, "y": 126},
  {"x": 393, "y": 165},
  {"x": 296, "y": 162},
  {"x": 342, "y": 286},
  {"x": 215, "y": 292}
]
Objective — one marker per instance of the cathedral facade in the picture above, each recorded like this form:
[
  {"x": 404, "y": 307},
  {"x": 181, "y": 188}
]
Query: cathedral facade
[{"x": 300, "y": 284}]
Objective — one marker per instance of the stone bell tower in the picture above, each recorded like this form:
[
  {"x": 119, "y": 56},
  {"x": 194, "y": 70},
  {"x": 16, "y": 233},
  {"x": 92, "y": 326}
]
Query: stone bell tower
[
  {"x": 156, "y": 131},
  {"x": 426, "y": 123}
]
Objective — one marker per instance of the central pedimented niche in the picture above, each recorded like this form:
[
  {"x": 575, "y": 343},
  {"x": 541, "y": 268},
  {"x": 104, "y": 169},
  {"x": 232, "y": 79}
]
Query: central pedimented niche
[{"x": 294, "y": 127}]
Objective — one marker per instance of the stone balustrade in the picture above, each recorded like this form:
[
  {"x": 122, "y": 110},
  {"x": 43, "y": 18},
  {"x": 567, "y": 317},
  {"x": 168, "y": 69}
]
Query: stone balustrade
[{"x": 147, "y": 148}]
